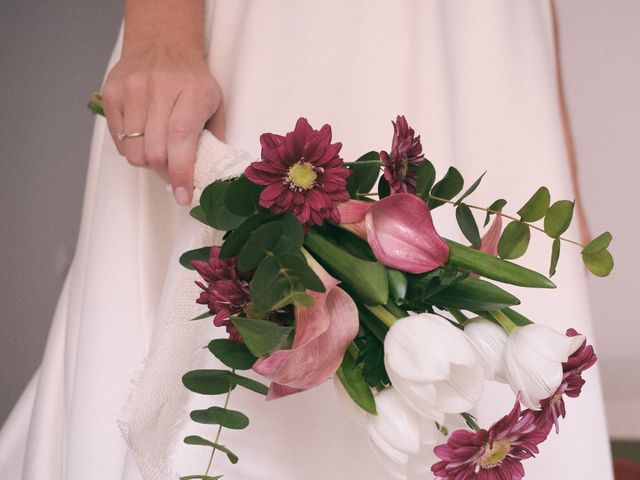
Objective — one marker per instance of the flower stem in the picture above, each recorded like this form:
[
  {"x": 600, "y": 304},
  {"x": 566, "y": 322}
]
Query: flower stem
[
  {"x": 503, "y": 320},
  {"x": 495, "y": 212},
  {"x": 382, "y": 314},
  {"x": 213, "y": 451},
  {"x": 458, "y": 315}
]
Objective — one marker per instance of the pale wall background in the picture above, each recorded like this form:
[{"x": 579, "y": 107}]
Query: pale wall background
[{"x": 53, "y": 54}]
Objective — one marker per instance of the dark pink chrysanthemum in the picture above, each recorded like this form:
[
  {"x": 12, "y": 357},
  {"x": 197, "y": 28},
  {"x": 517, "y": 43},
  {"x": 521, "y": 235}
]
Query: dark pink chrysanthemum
[
  {"x": 303, "y": 172},
  {"x": 553, "y": 408},
  {"x": 226, "y": 292},
  {"x": 493, "y": 454},
  {"x": 405, "y": 158}
]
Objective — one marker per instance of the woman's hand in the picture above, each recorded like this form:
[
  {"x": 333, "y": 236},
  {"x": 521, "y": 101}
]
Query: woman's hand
[{"x": 163, "y": 88}]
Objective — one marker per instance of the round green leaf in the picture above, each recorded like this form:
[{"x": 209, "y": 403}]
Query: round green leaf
[
  {"x": 600, "y": 264},
  {"x": 208, "y": 382},
  {"x": 447, "y": 188},
  {"x": 232, "y": 354},
  {"x": 241, "y": 196},
  {"x": 425, "y": 177},
  {"x": 363, "y": 177},
  {"x": 202, "y": 254},
  {"x": 216, "y": 213},
  {"x": 537, "y": 206},
  {"x": 260, "y": 244},
  {"x": 496, "y": 206},
  {"x": 514, "y": 240},
  {"x": 221, "y": 416},
  {"x": 262, "y": 336},
  {"x": 558, "y": 218},
  {"x": 601, "y": 242},
  {"x": 198, "y": 440}
]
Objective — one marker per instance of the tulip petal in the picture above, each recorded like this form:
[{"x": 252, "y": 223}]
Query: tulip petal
[
  {"x": 323, "y": 332},
  {"x": 490, "y": 341},
  {"x": 463, "y": 389}
]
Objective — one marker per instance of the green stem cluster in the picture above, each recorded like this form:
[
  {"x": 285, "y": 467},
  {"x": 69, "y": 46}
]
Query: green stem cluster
[{"x": 213, "y": 450}]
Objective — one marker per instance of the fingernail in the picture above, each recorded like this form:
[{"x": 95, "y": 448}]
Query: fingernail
[{"x": 182, "y": 196}]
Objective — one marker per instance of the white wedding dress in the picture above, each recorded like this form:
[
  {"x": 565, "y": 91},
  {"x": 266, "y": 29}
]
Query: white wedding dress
[{"x": 476, "y": 79}]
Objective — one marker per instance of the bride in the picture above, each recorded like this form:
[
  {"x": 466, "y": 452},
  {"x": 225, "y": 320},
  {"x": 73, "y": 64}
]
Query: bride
[{"x": 478, "y": 80}]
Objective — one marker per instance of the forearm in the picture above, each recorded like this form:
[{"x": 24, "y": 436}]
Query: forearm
[{"x": 173, "y": 23}]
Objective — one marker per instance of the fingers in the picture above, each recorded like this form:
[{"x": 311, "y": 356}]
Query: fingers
[
  {"x": 155, "y": 136},
  {"x": 112, "y": 104},
  {"x": 216, "y": 124},
  {"x": 136, "y": 102},
  {"x": 185, "y": 125}
]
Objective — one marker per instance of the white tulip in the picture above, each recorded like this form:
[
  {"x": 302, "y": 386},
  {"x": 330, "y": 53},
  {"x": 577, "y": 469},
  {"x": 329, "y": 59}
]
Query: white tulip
[
  {"x": 394, "y": 432},
  {"x": 533, "y": 360},
  {"x": 490, "y": 339},
  {"x": 433, "y": 365}
]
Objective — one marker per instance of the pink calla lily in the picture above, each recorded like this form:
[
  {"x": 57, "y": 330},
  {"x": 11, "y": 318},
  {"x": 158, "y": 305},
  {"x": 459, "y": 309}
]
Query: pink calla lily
[
  {"x": 399, "y": 230},
  {"x": 323, "y": 333},
  {"x": 489, "y": 241}
]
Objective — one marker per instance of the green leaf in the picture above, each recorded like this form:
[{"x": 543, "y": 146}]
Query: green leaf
[
  {"x": 600, "y": 264},
  {"x": 558, "y": 218},
  {"x": 598, "y": 244},
  {"x": 202, "y": 254},
  {"x": 241, "y": 197},
  {"x": 425, "y": 177},
  {"x": 367, "y": 279},
  {"x": 259, "y": 246},
  {"x": 537, "y": 206},
  {"x": 467, "y": 224},
  {"x": 555, "y": 256},
  {"x": 470, "y": 190},
  {"x": 197, "y": 440},
  {"x": 197, "y": 213},
  {"x": 292, "y": 229},
  {"x": 238, "y": 237},
  {"x": 397, "y": 284},
  {"x": 514, "y": 240},
  {"x": 496, "y": 206},
  {"x": 262, "y": 336},
  {"x": 216, "y": 213},
  {"x": 363, "y": 177},
  {"x": 474, "y": 294},
  {"x": 495, "y": 268},
  {"x": 250, "y": 384},
  {"x": 371, "y": 357},
  {"x": 351, "y": 377},
  {"x": 95, "y": 104},
  {"x": 208, "y": 382},
  {"x": 423, "y": 286},
  {"x": 447, "y": 188},
  {"x": 383, "y": 187},
  {"x": 233, "y": 354},
  {"x": 221, "y": 416},
  {"x": 281, "y": 279},
  {"x": 204, "y": 315}
]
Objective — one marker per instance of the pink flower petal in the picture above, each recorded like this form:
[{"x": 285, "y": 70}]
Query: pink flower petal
[
  {"x": 489, "y": 242},
  {"x": 323, "y": 333}
]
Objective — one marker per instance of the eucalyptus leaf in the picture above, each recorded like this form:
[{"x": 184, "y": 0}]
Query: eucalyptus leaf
[
  {"x": 216, "y": 213},
  {"x": 598, "y": 244},
  {"x": 233, "y": 354},
  {"x": 352, "y": 379},
  {"x": 208, "y": 382},
  {"x": 496, "y": 206},
  {"x": 197, "y": 440},
  {"x": 397, "y": 284},
  {"x": 221, "y": 416},
  {"x": 447, "y": 188},
  {"x": 514, "y": 240},
  {"x": 197, "y": 213},
  {"x": 363, "y": 177},
  {"x": 467, "y": 224},
  {"x": 558, "y": 218},
  {"x": 250, "y": 384},
  {"x": 263, "y": 337},
  {"x": 241, "y": 197},
  {"x": 201, "y": 477},
  {"x": 537, "y": 206},
  {"x": 555, "y": 256},
  {"x": 383, "y": 187},
  {"x": 292, "y": 229},
  {"x": 260, "y": 244},
  {"x": 201, "y": 254},
  {"x": 600, "y": 264},
  {"x": 239, "y": 236},
  {"x": 471, "y": 189},
  {"x": 425, "y": 178}
]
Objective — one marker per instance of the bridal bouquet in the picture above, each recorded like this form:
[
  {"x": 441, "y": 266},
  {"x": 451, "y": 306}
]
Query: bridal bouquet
[{"x": 329, "y": 269}]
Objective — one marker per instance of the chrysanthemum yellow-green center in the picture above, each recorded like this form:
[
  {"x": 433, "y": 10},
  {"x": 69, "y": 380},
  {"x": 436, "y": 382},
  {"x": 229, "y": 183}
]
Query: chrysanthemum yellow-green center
[
  {"x": 494, "y": 455},
  {"x": 302, "y": 175}
]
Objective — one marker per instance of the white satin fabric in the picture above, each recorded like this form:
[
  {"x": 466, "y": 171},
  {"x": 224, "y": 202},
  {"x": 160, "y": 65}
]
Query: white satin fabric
[{"x": 476, "y": 79}]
